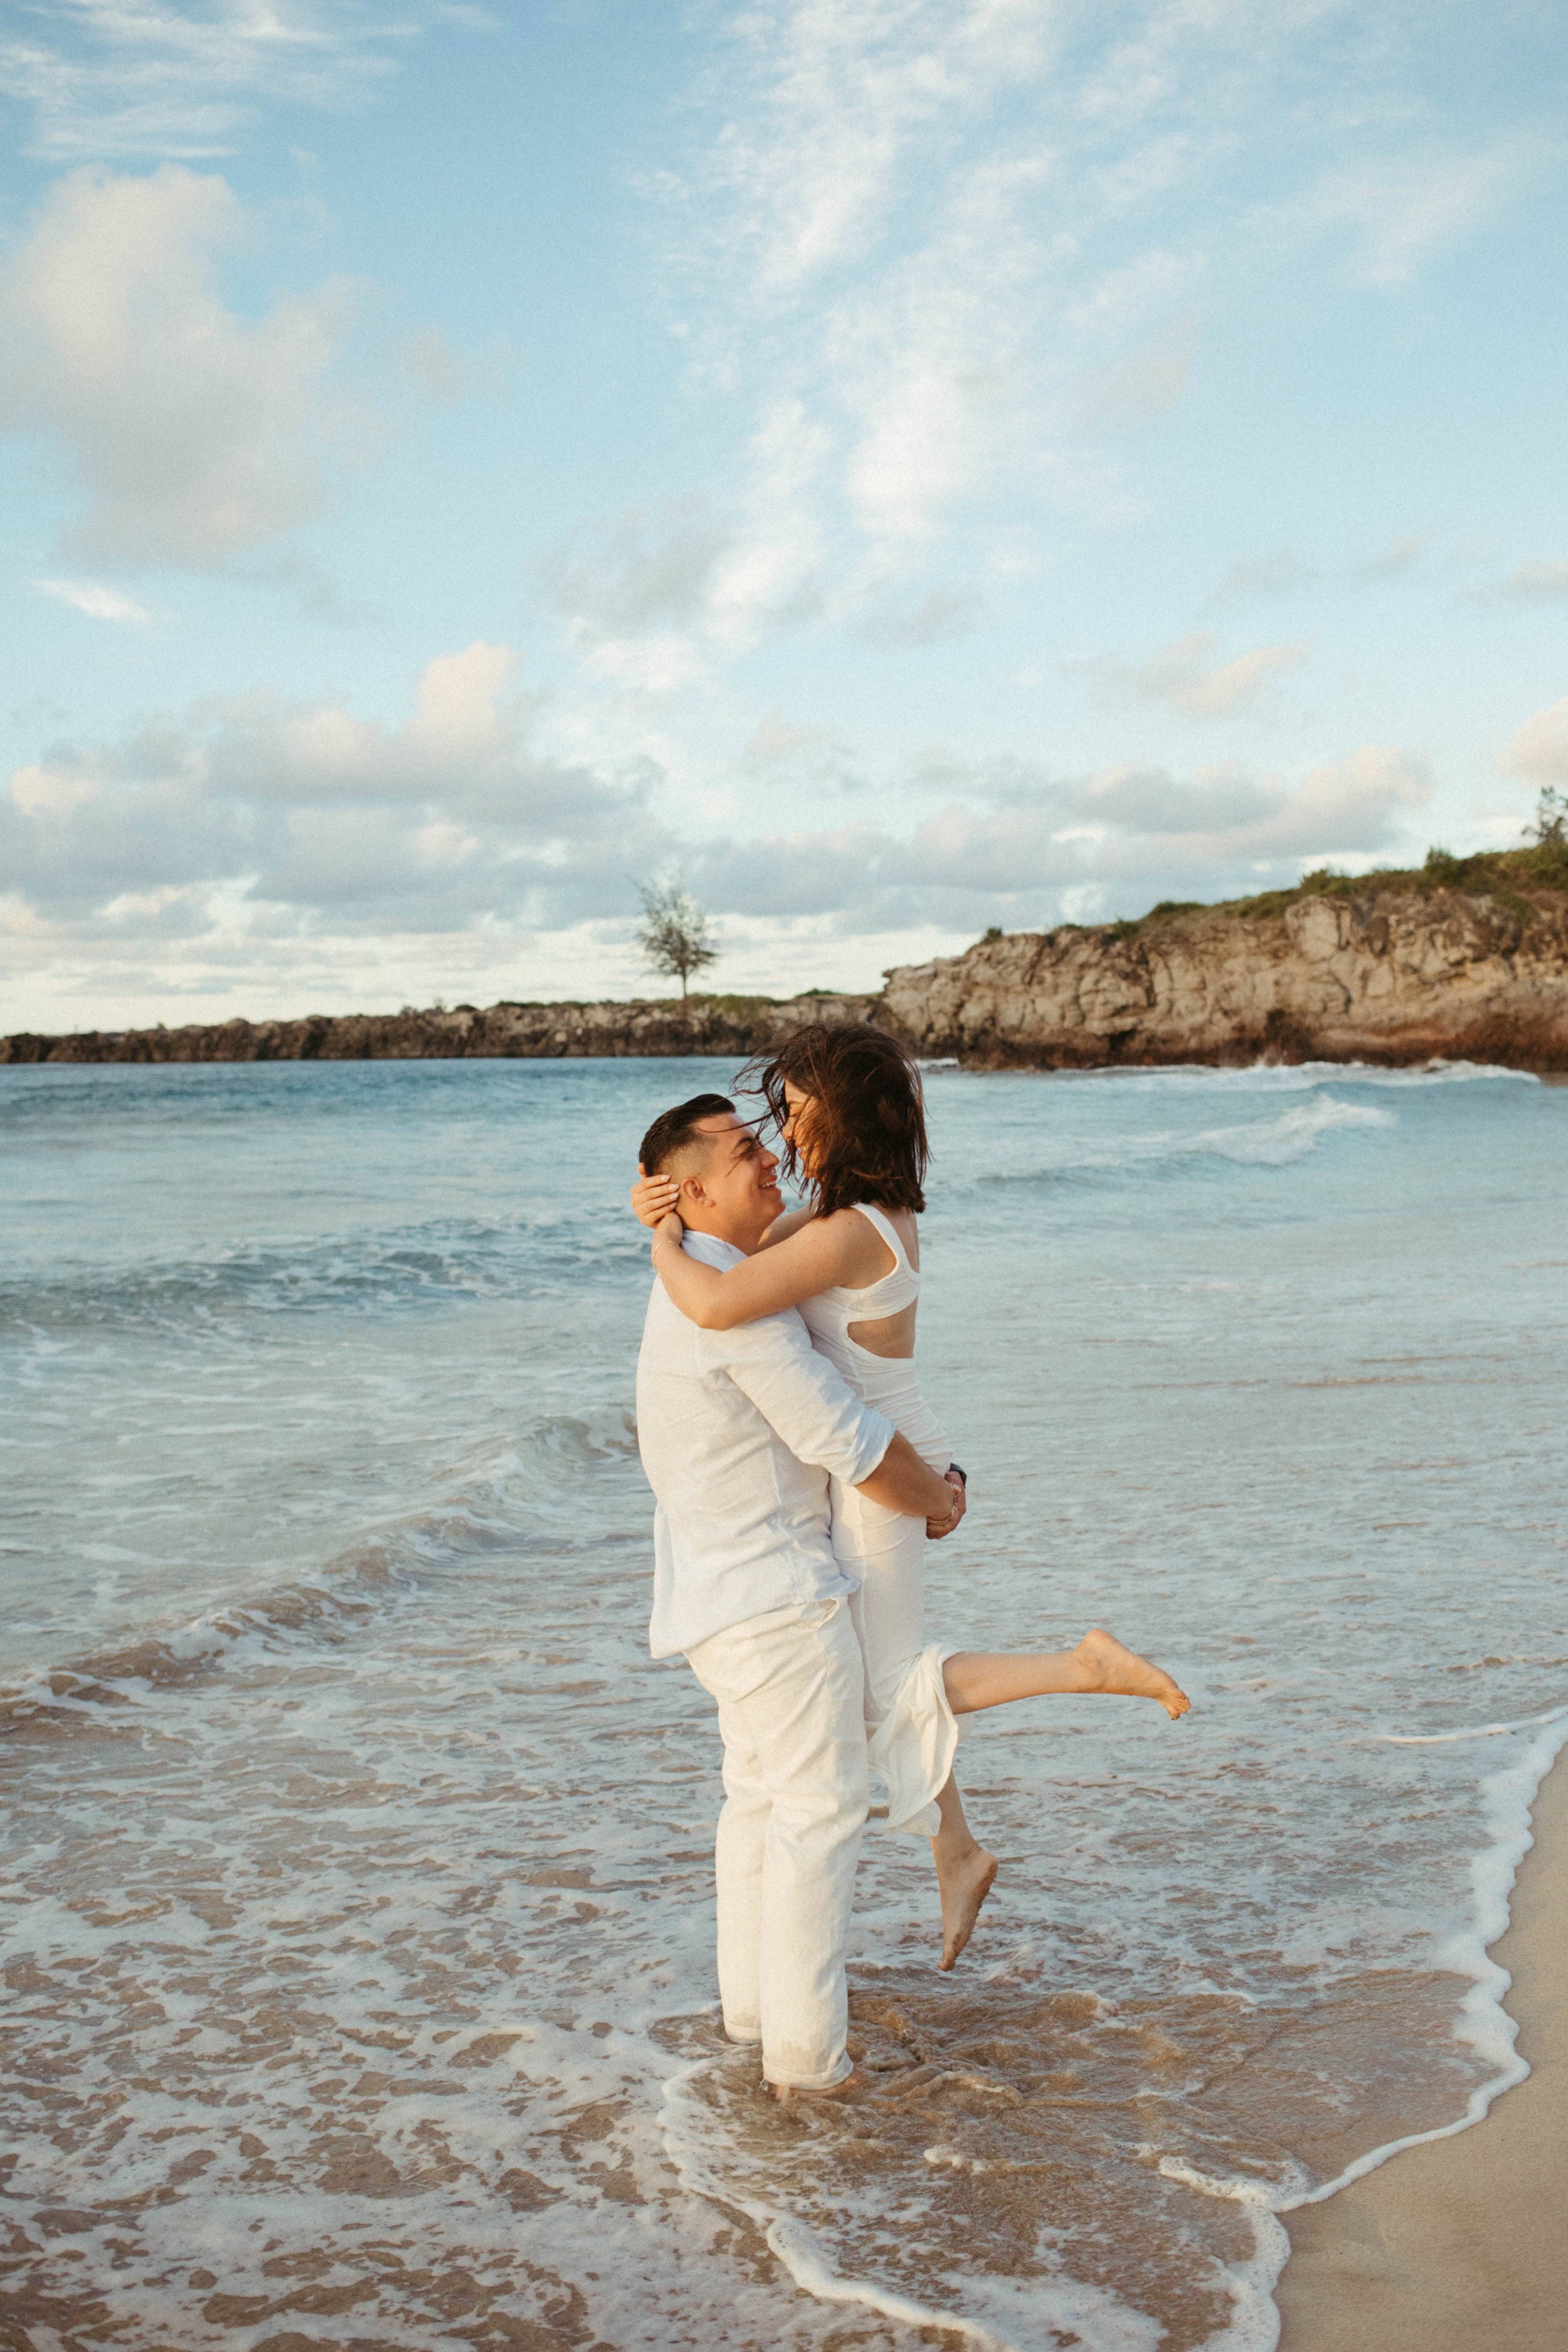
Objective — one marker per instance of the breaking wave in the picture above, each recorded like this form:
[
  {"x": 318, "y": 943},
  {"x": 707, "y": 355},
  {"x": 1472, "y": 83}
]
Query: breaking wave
[
  {"x": 1279, "y": 1140},
  {"x": 537, "y": 1485},
  {"x": 426, "y": 1264}
]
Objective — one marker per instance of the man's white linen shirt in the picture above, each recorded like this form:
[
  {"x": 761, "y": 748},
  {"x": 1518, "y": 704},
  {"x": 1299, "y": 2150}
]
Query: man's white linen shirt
[{"x": 738, "y": 1432}]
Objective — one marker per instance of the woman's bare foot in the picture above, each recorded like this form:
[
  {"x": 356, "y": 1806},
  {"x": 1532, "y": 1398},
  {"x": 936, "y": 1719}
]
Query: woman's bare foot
[
  {"x": 965, "y": 1881},
  {"x": 1111, "y": 1667}
]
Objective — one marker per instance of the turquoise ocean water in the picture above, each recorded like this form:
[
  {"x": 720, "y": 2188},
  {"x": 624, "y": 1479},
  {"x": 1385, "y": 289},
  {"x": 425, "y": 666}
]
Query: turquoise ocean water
[{"x": 357, "y": 1882}]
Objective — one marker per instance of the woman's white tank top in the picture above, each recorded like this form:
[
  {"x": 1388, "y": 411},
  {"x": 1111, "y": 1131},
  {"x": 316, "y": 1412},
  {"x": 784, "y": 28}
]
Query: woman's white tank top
[{"x": 887, "y": 1382}]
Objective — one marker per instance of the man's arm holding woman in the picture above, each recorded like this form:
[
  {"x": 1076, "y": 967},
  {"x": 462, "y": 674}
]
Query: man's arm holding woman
[{"x": 821, "y": 1420}]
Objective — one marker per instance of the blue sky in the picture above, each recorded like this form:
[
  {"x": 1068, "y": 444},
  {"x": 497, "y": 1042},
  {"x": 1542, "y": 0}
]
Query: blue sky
[{"x": 902, "y": 465}]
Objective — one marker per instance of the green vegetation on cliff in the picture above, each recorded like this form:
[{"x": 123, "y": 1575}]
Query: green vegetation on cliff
[{"x": 1504, "y": 875}]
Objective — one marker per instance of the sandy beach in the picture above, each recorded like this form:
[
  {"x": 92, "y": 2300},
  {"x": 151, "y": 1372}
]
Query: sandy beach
[{"x": 1458, "y": 2246}]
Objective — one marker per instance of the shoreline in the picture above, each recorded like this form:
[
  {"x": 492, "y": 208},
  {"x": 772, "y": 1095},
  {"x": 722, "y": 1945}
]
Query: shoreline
[{"x": 1452, "y": 2245}]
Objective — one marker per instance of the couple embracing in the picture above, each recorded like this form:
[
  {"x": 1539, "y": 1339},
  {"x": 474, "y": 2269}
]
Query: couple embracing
[{"x": 799, "y": 1474}]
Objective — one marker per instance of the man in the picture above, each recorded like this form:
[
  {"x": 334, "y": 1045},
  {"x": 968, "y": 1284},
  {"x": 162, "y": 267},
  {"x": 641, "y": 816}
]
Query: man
[{"x": 738, "y": 1432}]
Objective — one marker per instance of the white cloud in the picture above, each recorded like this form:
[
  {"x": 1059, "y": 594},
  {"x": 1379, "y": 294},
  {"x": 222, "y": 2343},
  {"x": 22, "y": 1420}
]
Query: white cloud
[
  {"x": 1532, "y": 583},
  {"x": 767, "y": 571},
  {"x": 1011, "y": 846},
  {"x": 194, "y": 433},
  {"x": 971, "y": 238},
  {"x": 1139, "y": 388},
  {"x": 320, "y": 817},
  {"x": 937, "y": 618},
  {"x": 775, "y": 742},
  {"x": 639, "y": 590},
  {"x": 441, "y": 373},
  {"x": 47, "y": 790},
  {"x": 1400, "y": 555},
  {"x": 1400, "y": 211},
  {"x": 264, "y": 820},
  {"x": 786, "y": 765},
  {"x": 1348, "y": 806},
  {"x": 915, "y": 261},
  {"x": 1538, "y": 750},
  {"x": 1276, "y": 571},
  {"x": 156, "y": 78},
  {"x": 647, "y": 567},
  {"x": 1226, "y": 817},
  {"x": 950, "y": 251},
  {"x": 99, "y": 602},
  {"x": 835, "y": 104},
  {"x": 1185, "y": 678},
  {"x": 934, "y": 374}
]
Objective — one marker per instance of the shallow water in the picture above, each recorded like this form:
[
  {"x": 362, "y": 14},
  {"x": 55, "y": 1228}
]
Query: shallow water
[{"x": 359, "y": 1873}]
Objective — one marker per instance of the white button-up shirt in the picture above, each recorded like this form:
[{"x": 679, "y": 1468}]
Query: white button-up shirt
[{"x": 740, "y": 1432}]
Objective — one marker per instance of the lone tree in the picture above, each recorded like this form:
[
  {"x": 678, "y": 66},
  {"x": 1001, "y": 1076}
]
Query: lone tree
[
  {"x": 1550, "y": 830},
  {"x": 673, "y": 937}
]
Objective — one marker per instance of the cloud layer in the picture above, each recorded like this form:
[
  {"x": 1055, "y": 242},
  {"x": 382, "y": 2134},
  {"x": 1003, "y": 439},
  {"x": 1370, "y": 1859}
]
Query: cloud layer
[
  {"x": 273, "y": 820},
  {"x": 322, "y": 819},
  {"x": 194, "y": 433},
  {"x": 111, "y": 78},
  {"x": 1185, "y": 678},
  {"x": 1539, "y": 751}
]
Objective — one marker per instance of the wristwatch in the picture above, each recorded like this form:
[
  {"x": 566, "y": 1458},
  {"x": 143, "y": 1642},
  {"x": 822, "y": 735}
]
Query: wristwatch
[{"x": 963, "y": 1473}]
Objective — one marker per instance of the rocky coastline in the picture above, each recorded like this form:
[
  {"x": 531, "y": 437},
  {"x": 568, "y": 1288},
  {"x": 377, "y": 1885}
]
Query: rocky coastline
[
  {"x": 1460, "y": 960},
  {"x": 505, "y": 1031},
  {"x": 1382, "y": 971}
]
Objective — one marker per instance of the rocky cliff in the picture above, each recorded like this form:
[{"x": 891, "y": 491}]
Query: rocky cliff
[
  {"x": 1463, "y": 960},
  {"x": 1389, "y": 971}
]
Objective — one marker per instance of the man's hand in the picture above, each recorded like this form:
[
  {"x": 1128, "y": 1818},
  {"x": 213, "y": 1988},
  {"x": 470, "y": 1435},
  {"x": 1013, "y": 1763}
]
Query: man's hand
[
  {"x": 902, "y": 1482},
  {"x": 937, "y": 1529},
  {"x": 653, "y": 1197}
]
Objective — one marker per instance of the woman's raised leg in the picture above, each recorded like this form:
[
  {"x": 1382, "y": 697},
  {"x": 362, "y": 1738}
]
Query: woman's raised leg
[{"x": 1100, "y": 1664}]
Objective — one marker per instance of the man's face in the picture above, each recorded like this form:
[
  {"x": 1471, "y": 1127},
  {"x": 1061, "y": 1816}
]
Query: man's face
[{"x": 733, "y": 1193}]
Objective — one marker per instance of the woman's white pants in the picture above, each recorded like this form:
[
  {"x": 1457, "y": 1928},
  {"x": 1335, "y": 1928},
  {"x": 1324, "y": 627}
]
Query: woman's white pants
[
  {"x": 910, "y": 1724},
  {"x": 790, "y": 1686}
]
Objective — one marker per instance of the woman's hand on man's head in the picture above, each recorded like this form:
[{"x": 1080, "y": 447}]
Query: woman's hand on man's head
[{"x": 653, "y": 1197}]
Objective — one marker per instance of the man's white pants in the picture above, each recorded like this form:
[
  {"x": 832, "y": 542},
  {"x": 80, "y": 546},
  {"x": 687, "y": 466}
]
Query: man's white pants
[{"x": 790, "y": 1688}]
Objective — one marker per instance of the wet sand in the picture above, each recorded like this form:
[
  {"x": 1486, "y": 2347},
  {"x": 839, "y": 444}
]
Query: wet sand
[{"x": 1459, "y": 2245}]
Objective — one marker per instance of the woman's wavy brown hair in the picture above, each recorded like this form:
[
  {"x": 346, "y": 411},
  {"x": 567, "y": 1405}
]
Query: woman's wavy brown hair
[{"x": 867, "y": 1121}]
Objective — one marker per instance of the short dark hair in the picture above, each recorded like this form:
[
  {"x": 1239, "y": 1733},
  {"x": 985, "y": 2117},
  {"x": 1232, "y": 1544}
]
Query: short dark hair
[{"x": 676, "y": 1130}]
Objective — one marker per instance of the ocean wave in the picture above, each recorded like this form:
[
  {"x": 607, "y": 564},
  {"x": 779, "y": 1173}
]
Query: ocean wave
[
  {"x": 957, "y": 2191},
  {"x": 1283, "y": 1077},
  {"x": 423, "y": 1265},
  {"x": 1508, "y": 1796},
  {"x": 1277, "y": 1141},
  {"x": 1423, "y": 1074},
  {"x": 1280, "y": 1141},
  {"x": 989, "y": 2081},
  {"x": 534, "y": 1485}
]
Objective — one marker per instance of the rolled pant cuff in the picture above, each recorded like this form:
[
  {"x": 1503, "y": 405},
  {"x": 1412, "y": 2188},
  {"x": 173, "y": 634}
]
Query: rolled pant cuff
[{"x": 839, "y": 2073}]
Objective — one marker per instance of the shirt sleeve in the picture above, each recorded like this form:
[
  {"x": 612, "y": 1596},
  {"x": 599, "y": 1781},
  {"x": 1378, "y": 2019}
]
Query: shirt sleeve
[{"x": 801, "y": 1397}]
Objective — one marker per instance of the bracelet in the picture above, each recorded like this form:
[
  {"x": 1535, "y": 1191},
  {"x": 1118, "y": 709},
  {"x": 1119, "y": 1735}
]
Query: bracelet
[{"x": 963, "y": 1473}]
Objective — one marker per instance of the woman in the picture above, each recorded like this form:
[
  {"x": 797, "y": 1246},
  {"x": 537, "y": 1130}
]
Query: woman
[{"x": 847, "y": 1104}]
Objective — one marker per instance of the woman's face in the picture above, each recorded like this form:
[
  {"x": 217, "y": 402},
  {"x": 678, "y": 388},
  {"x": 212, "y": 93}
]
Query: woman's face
[{"x": 798, "y": 1124}]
